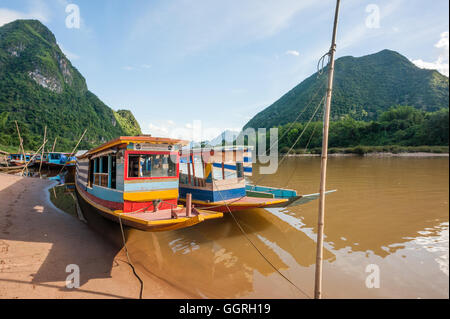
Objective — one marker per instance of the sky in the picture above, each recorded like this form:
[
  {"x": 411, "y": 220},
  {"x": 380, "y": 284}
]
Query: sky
[{"x": 184, "y": 64}]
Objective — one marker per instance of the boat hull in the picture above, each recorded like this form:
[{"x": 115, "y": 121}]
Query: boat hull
[
  {"x": 142, "y": 221},
  {"x": 238, "y": 204},
  {"x": 248, "y": 202}
]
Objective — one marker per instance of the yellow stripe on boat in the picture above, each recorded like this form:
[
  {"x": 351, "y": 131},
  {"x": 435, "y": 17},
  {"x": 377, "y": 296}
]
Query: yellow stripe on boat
[{"x": 148, "y": 196}]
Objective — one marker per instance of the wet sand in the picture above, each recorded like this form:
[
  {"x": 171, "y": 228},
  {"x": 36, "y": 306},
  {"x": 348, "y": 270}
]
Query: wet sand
[{"x": 38, "y": 241}]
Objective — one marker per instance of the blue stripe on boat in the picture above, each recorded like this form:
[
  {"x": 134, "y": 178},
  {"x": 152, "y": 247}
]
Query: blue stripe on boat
[
  {"x": 107, "y": 194},
  {"x": 131, "y": 187},
  {"x": 212, "y": 196},
  {"x": 277, "y": 192}
]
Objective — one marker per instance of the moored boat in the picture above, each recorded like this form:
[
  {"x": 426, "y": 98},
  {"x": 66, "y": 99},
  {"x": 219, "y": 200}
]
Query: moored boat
[
  {"x": 58, "y": 159},
  {"x": 134, "y": 180},
  {"x": 18, "y": 159},
  {"x": 216, "y": 179}
]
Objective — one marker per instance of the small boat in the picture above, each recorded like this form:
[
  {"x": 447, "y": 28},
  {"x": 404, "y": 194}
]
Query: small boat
[
  {"x": 216, "y": 179},
  {"x": 58, "y": 159},
  {"x": 18, "y": 159},
  {"x": 134, "y": 180}
]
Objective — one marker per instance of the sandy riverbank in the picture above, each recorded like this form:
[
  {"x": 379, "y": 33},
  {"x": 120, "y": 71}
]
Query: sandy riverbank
[{"x": 38, "y": 241}]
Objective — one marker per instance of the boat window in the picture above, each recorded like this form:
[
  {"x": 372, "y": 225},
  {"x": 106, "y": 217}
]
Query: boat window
[
  {"x": 183, "y": 168},
  {"x": 91, "y": 173},
  {"x": 151, "y": 165},
  {"x": 230, "y": 173},
  {"x": 55, "y": 156},
  {"x": 198, "y": 166},
  {"x": 104, "y": 166},
  {"x": 217, "y": 173},
  {"x": 113, "y": 171}
]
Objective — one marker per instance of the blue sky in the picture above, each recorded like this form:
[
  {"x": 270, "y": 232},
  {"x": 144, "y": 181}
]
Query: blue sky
[{"x": 182, "y": 63}]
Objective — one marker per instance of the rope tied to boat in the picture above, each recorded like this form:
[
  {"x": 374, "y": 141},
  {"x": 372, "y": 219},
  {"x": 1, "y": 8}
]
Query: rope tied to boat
[
  {"x": 259, "y": 251},
  {"x": 129, "y": 259}
]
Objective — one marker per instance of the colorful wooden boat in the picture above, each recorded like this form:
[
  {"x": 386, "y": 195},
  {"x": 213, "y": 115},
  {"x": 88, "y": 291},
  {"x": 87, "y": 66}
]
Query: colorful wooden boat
[
  {"x": 18, "y": 159},
  {"x": 59, "y": 159},
  {"x": 216, "y": 180},
  {"x": 136, "y": 179}
]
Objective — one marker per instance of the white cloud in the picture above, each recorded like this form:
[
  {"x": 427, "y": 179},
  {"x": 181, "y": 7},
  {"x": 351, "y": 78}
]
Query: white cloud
[
  {"x": 232, "y": 21},
  {"x": 442, "y": 62},
  {"x": 193, "y": 131},
  {"x": 443, "y": 41},
  {"x": 70, "y": 55},
  {"x": 127, "y": 68},
  {"x": 292, "y": 52},
  {"x": 438, "y": 65},
  {"x": 158, "y": 130},
  {"x": 146, "y": 66},
  {"x": 38, "y": 11}
]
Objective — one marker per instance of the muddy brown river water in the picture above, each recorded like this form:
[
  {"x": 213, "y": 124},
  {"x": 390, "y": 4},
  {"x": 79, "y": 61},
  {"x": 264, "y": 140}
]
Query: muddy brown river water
[{"x": 389, "y": 214}]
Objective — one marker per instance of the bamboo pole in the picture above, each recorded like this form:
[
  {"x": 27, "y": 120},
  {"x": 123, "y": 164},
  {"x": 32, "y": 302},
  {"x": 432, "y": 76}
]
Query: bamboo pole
[
  {"x": 21, "y": 144},
  {"x": 79, "y": 141},
  {"x": 42, "y": 153},
  {"x": 323, "y": 170},
  {"x": 54, "y": 144},
  {"x": 31, "y": 159}
]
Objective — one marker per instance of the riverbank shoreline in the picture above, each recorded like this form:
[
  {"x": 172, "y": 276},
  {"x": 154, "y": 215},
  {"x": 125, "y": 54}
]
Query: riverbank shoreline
[
  {"x": 39, "y": 242},
  {"x": 374, "y": 154}
]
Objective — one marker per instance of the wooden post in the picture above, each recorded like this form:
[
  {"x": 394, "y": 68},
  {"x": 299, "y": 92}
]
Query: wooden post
[
  {"x": 42, "y": 153},
  {"x": 323, "y": 170},
  {"x": 188, "y": 204}
]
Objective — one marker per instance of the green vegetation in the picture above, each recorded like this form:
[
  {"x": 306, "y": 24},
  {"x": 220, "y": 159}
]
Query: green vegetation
[
  {"x": 39, "y": 87},
  {"x": 400, "y": 129},
  {"x": 364, "y": 88}
]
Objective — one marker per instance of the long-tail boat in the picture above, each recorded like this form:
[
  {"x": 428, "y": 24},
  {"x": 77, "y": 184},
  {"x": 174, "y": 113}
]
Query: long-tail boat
[
  {"x": 18, "y": 159},
  {"x": 216, "y": 179},
  {"x": 58, "y": 159},
  {"x": 134, "y": 180}
]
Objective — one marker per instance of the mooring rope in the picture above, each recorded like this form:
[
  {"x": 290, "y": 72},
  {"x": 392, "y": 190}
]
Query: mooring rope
[
  {"x": 129, "y": 259},
  {"x": 259, "y": 251}
]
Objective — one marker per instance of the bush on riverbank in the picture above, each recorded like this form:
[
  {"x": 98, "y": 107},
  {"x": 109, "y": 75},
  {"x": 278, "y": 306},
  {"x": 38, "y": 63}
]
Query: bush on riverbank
[
  {"x": 401, "y": 129},
  {"x": 361, "y": 149}
]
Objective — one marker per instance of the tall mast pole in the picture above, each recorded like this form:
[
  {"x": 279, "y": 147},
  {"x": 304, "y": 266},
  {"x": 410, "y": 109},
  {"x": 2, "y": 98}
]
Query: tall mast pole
[{"x": 323, "y": 170}]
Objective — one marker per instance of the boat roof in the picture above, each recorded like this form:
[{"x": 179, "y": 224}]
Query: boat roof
[
  {"x": 226, "y": 148},
  {"x": 80, "y": 152},
  {"x": 134, "y": 139}
]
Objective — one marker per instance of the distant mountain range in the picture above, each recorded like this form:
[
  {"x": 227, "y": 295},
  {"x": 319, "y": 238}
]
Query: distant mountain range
[
  {"x": 40, "y": 87},
  {"x": 228, "y": 135},
  {"x": 364, "y": 87}
]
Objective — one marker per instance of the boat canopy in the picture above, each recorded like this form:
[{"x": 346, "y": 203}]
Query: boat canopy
[{"x": 139, "y": 143}]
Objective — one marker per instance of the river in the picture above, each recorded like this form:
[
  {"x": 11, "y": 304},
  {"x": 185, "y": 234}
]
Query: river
[{"x": 386, "y": 236}]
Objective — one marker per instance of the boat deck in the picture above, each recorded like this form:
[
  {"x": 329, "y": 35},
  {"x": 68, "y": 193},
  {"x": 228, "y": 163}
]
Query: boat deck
[{"x": 165, "y": 214}]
